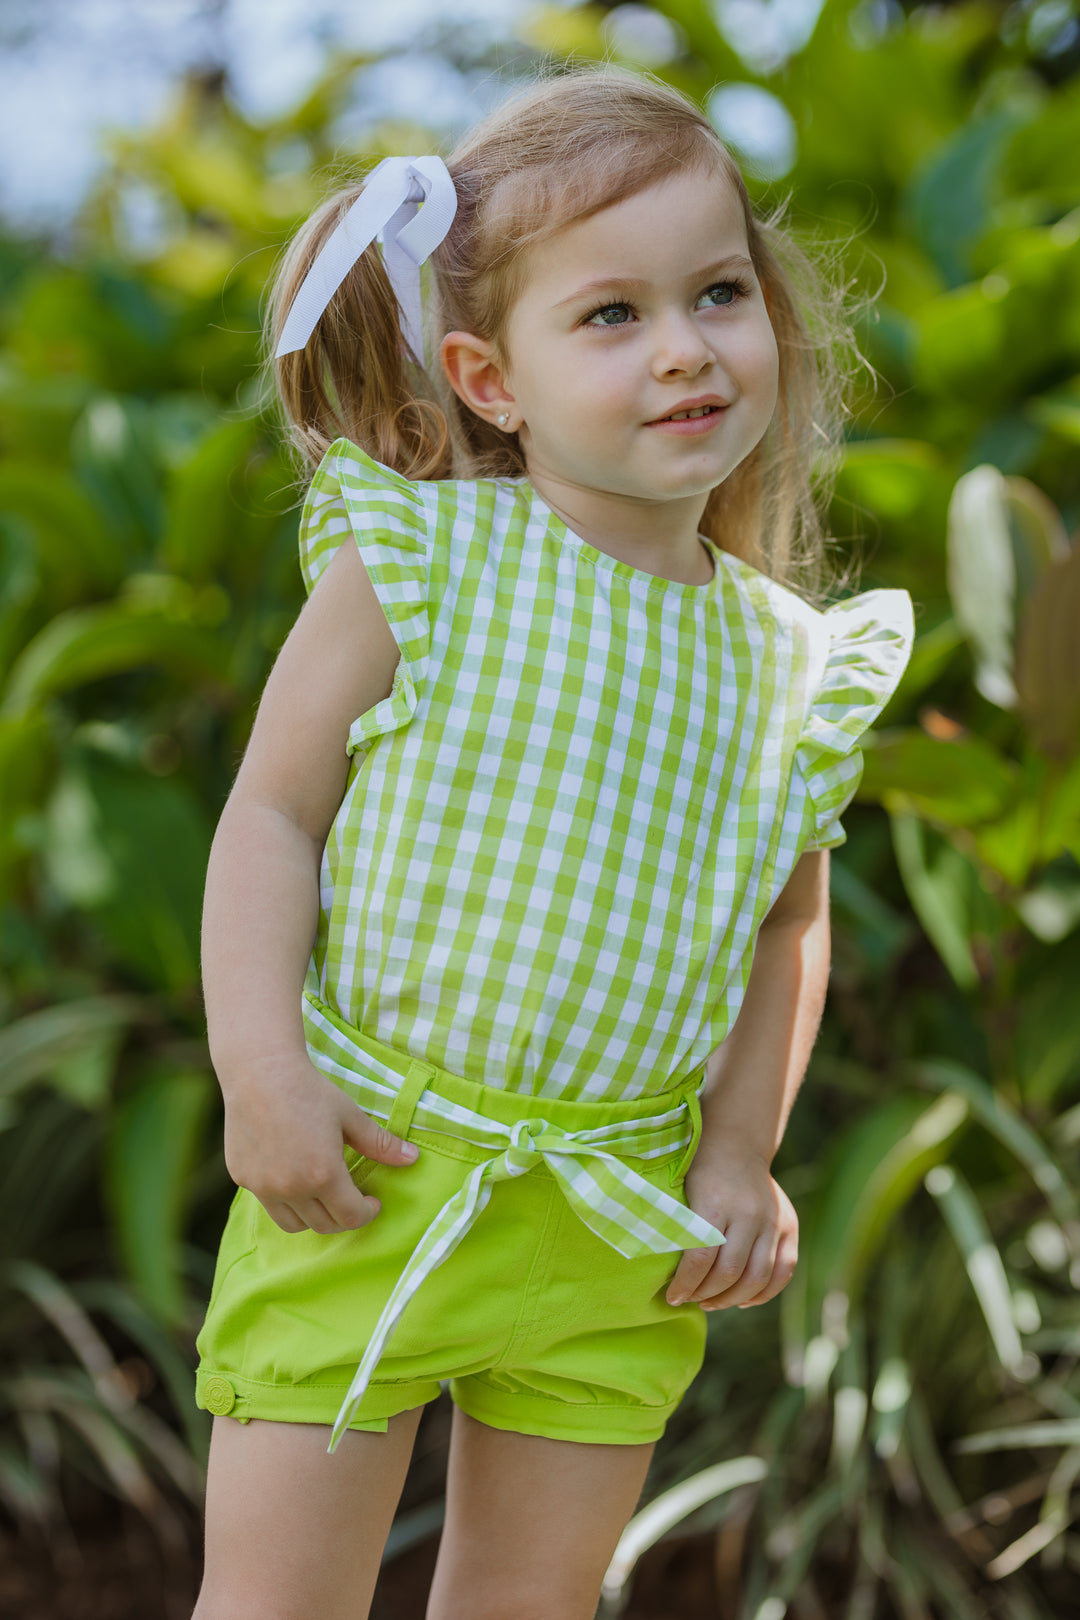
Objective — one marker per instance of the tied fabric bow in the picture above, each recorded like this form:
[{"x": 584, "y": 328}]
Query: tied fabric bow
[
  {"x": 633, "y": 1217},
  {"x": 408, "y": 204}
]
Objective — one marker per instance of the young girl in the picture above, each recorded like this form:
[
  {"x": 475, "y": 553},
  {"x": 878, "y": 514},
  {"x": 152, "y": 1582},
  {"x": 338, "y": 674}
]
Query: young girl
[{"x": 552, "y": 755}]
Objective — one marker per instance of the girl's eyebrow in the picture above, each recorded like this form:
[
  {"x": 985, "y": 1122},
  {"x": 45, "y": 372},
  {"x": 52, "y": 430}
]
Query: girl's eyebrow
[{"x": 602, "y": 284}]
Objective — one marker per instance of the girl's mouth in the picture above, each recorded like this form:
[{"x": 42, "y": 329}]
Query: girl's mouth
[{"x": 692, "y": 419}]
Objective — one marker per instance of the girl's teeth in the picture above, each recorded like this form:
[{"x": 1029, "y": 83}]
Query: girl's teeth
[{"x": 686, "y": 416}]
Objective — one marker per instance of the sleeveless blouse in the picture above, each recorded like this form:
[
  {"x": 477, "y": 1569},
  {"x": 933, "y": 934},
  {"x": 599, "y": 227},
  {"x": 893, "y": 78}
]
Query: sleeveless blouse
[{"x": 564, "y": 826}]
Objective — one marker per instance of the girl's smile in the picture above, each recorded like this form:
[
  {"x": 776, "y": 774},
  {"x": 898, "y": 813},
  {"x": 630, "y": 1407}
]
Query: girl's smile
[
  {"x": 639, "y": 368},
  {"x": 692, "y": 416}
]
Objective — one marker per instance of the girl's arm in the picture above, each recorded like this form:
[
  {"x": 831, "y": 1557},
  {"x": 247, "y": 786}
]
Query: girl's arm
[
  {"x": 752, "y": 1079},
  {"x": 285, "y": 1123}
]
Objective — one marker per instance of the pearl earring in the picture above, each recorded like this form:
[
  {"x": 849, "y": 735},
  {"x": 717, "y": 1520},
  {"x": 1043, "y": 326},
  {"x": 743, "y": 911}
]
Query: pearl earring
[{"x": 504, "y": 417}]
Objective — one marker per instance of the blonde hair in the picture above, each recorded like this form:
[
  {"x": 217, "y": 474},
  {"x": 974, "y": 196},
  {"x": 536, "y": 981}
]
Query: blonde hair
[{"x": 558, "y": 153}]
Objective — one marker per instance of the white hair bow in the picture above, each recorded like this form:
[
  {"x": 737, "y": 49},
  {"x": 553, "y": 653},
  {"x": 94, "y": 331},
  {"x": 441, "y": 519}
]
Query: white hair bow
[{"x": 388, "y": 208}]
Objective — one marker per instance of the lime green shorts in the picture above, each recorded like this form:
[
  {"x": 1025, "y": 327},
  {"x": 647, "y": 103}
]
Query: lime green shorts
[{"x": 536, "y": 1323}]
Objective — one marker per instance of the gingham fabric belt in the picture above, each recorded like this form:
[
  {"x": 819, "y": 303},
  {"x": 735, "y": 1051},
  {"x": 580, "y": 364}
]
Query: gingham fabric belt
[{"x": 631, "y": 1214}]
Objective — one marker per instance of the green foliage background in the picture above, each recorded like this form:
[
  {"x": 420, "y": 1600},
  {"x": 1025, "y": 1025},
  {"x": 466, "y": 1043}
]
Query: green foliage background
[{"x": 914, "y": 1392}]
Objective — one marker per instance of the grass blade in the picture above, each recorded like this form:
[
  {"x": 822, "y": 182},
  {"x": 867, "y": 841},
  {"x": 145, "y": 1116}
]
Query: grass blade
[
  {"x": 984, "y": 1265},
  {"x": 669, "y": 1509}
]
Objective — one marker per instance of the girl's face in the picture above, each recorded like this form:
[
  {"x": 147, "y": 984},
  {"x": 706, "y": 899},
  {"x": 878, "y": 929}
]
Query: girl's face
[{"x": 641, "y": 362}]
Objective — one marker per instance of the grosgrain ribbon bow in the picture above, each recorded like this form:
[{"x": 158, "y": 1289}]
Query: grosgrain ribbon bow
[{"x": 388, "y": 209}]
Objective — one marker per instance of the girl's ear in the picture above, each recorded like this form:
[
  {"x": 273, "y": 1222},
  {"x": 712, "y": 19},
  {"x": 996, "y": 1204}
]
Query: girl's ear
[{"x": 474, "y": 373}]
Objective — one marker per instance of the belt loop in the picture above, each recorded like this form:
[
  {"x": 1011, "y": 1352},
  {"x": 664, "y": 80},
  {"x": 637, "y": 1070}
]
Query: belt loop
[
  {"x": 693, "y": 1103},
  {"x": 412, "y": 1086}
]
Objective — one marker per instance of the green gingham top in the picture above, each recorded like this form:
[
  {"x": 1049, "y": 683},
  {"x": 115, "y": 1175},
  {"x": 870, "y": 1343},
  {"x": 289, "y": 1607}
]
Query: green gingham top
[{"x": 563, "y": 828}]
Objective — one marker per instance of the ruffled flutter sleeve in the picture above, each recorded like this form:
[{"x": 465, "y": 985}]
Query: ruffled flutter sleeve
[
  {"x": 867, "y": 642},
  {"x": 353, "y": 498}
]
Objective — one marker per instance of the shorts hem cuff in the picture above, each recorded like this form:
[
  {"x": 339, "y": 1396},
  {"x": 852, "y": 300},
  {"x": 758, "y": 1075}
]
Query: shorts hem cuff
[
  {"x": 551, "y": 1419},
  {"x": 230, "y": 1395}
]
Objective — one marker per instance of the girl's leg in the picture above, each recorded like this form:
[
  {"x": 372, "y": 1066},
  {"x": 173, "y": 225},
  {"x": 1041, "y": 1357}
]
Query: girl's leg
[
  {"x": 531, "y": 1524},
  {"x": 292, "y": 1533}
]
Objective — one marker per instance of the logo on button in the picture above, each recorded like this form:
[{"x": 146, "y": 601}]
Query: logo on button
[{"x": 218, "y": 1395}]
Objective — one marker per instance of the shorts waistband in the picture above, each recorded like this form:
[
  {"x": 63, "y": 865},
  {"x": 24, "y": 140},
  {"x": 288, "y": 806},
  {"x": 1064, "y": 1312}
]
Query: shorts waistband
[{"x": 495, "y": 1103}]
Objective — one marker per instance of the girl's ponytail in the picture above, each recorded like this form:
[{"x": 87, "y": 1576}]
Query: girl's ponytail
[{"x": 355, "y": 378}]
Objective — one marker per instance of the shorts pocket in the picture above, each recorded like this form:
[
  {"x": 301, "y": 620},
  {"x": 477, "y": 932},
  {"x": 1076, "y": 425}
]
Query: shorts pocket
[{"x": 358, "y": 1166}]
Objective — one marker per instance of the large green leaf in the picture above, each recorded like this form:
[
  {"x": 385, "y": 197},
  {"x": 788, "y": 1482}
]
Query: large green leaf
[
  {"x": 1039, "y": 162},
  {"x": 939, "y": 882},
  {"x": 132, "y": 849},
  {"x": 880, "y": 931},
  {"x": 873, "y": 1170},
  {"x": 1042, "y": 823},
  {"x": 1046, "y": 1039},
  {"x": 949, "y": 200},
  {"x": 27, "y": 753},
  {"x": 960, "y": 782},
  {"x": 1048, "y": 658},
  {"x": 960, "y": 336},
  {"x": 35, "y": 1046},
  {"x": 85, "y": 644},
  {"x": 993, "y": 1112},
  {"x": 113, "y": 453},
  {"x": 895, "y": 478},
  {"x": 73, "y": 543},
  {"x": 151, "y": 1150},
  {"x": 1059, "y": 410},
  {"x": 201, "y": 511}
]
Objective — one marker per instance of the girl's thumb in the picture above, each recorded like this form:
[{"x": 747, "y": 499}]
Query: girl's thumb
[{"x": 374, "y": 1141}]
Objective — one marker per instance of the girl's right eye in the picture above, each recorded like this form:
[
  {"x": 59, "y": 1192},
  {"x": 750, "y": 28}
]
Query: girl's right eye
[{"x": 608, "y": 315}]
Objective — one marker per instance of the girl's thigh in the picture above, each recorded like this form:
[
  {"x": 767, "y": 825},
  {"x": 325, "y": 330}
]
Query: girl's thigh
[
  {"x": 292, "y": 1532},
  {"x": 531, "y": 1524}
]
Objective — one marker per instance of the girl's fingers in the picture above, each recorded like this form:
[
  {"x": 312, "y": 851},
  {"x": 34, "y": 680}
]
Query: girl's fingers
[
  {"x": 342, "y": 1210},
  {"x": 315, "y": 1215},
  {"x": 283, "y": 1215},
  {"x": 726, "y": 1285},
  {"x": 763, "y": 1276},
  {"x": 374, "y": 1141},
  {"x": 787, "y": 1256},
  {"x": 729, "y": 1266},
  {"x": 345, "y": 1211},
  {"x": 692, "y": 1269},
  {"x": 347, "y": 1206}
]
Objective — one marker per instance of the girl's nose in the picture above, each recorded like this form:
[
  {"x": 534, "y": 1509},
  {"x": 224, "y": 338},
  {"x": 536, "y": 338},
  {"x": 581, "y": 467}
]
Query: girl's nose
[{"x": 680, "y": 347}]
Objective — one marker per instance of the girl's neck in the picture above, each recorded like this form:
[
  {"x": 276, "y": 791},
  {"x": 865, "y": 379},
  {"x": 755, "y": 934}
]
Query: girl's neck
[{"x": 657, "y": 537}]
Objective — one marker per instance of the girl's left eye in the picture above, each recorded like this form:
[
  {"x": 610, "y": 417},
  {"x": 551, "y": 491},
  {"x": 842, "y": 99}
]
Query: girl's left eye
[
  {"x": 722, "y": 294},
  {"x": 609, "y": 315}
]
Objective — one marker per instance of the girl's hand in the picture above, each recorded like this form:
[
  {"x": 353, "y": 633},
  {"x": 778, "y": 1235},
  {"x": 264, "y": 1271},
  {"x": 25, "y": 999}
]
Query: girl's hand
[
  {"x": 286, "y": 1126},
  {"x": 738, "y": 1195}
]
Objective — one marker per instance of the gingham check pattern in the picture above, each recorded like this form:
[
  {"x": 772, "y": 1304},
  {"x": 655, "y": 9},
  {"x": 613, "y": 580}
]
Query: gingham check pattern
[
  {"x": 611, "y": 1197},
  {"x": 566, "y": 823}
]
